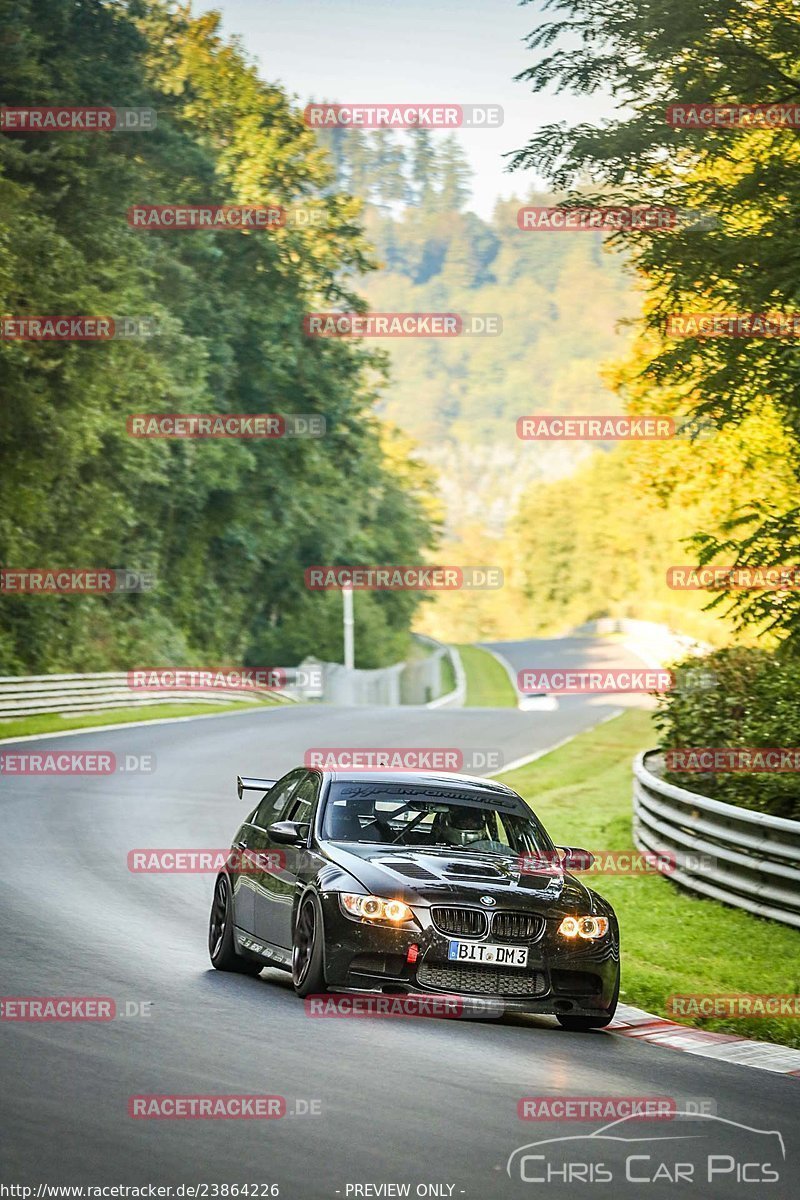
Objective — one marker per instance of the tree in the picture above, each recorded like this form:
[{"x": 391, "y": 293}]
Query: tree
[
  {"x": 425, "y": 172},
  {"x": 227, "y": 527},
  {"x": 743, "y": 179},
  {"x": 455, "y": 174},
  {"x": 388, "y": 163}
]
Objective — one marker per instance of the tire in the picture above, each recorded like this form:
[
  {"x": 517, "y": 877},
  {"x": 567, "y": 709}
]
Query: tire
[
  {"x": 221, "y": 947},
  {"x": 308, "y": 948},
  {"x": 584, "y": 1024}
]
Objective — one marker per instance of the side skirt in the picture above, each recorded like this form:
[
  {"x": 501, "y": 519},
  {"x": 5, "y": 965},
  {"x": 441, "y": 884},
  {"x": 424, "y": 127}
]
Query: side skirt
[{"x": 262, "y": 952}]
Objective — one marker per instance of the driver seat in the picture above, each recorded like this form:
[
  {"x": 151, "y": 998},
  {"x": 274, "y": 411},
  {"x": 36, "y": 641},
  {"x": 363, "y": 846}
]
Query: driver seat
[{"x": 345, "y": 825}]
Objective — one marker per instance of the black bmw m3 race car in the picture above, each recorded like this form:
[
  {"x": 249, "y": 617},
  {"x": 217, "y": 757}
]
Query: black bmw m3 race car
[{"x": 405, "y": 882}]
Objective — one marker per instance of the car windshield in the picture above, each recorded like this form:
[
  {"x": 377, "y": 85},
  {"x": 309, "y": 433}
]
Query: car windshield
[{"x": 404, "y": 816}]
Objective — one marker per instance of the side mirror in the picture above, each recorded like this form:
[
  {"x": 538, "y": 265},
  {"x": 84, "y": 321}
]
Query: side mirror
[
  {"x": 288, "y": 833},
  {"x": 575, "y": 859}
]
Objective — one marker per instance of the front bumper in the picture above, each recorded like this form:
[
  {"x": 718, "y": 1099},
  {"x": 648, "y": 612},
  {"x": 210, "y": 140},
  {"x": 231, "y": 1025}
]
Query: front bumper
[{"x": 561, "y": 977}]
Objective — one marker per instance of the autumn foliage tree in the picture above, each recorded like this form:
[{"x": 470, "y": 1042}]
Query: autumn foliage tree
[{"x": 741, "y": 259}]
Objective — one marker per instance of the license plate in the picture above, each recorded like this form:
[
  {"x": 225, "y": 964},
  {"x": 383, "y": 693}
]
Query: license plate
[{"x": 488, "y": 952}]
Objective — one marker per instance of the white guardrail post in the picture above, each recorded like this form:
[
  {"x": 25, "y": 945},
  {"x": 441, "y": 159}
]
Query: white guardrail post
[{"x": 744, "y": 858}]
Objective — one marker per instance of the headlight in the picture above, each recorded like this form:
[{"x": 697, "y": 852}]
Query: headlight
[
  {"x": 589, "y": 928},
  {"x": 373, "y": 908}
]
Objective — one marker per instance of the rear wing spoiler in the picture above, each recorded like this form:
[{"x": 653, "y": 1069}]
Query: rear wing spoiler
[{"x": 247, "y": 783}]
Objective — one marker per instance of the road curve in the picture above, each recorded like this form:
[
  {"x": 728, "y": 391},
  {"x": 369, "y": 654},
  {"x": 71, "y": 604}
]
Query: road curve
[{"x": 428, "y": 1102}]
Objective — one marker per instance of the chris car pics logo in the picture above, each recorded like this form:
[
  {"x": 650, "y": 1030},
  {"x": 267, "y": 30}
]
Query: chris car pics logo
[{"x": 690, "y": 1150}]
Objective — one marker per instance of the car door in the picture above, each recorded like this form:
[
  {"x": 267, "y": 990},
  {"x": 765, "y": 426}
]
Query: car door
[
  {"x": 274, "y": 904},
  {"x": 252, "y": 880}
]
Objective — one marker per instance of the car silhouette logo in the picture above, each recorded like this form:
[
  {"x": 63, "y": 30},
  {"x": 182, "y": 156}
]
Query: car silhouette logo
[
  {"x": 490, "y": 900},
  {"x": 698, "y": 1128}
]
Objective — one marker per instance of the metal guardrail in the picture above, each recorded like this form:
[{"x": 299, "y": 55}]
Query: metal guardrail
[
  {"x": 458, "y": 697},
  {"x": 745, "y": 858},
  {"x": 28, "y": 695},
  {"x": 414, "y": 682}
]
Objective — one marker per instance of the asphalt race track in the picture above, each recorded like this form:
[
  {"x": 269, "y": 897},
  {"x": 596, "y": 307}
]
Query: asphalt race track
[{"x": 398, "y": 1101}]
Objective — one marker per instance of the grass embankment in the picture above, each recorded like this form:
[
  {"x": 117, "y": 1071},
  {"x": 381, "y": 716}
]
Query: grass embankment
[
  {"x": 488, "y": 685},
  {"x": 54, "y": 723},
  {"x": 672, "y": 942},
  {"x": 448, "y": 675}
]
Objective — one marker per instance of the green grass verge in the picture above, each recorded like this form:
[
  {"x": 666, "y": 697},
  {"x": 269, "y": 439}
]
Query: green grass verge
[
  {"x": 488, "y": 685},
  {"x": 53, "y": 723},
  {"x": 672, "y": 942},
  {"x": 448, "y": 675}
]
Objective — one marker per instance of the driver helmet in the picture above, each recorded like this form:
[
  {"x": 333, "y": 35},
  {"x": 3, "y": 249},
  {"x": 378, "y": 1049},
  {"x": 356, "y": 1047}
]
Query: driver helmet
[{"x": 465, "y": 825}]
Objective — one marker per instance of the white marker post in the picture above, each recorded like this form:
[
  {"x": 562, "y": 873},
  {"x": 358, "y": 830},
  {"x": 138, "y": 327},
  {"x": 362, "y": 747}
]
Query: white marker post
[{"x": 347, "y": 614}]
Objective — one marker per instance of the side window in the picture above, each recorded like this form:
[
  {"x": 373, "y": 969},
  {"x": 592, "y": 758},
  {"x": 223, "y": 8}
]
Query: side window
[
  {"x": 303, "y": 801},
  {"x": 274, "y": 803}
]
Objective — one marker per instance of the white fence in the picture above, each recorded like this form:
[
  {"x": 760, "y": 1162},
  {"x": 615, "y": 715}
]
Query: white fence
[
  {"x": 745, "y": 858},
  {"x": 346, "y": 686},
  {"x": 418, "y": 681}
]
